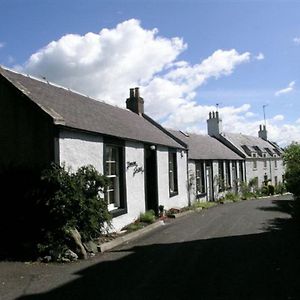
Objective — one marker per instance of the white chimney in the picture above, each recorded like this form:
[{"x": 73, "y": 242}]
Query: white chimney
[{"x": 214, "y": 124}]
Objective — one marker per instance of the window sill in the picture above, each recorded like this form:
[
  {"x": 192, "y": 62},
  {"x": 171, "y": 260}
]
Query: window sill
[
  {"x": 118, "y": 212},
  {"x": 172, "y": 194},
  {"x": 201, "y": 195}
]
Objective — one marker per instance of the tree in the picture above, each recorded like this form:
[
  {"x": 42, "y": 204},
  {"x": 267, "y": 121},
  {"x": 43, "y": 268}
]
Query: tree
[
  {"x": 292, "y": 162},
  {"x": 291, "y": 159}
]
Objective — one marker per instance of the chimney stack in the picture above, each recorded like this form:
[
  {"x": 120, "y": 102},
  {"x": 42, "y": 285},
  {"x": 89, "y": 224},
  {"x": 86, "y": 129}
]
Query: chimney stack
[
  {"x": 135, "y": 103},
  {"x": 214, "y": 124},
  {"x": 262, "y": 133}
]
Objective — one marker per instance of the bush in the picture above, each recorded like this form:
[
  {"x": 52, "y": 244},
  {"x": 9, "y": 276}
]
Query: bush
[
  {"x": 148, "y": 216},
  {"x": 71, "y": 200},
  {"x": 280, "y": 188},
  {"x": 264, "y": 191},
  {"x": 231, "y": 197},
  {"x": 203, "y": 204}
]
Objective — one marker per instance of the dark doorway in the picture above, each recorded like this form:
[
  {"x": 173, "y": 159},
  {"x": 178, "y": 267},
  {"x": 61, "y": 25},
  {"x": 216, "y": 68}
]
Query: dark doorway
[{"x": 151, "y": 192}]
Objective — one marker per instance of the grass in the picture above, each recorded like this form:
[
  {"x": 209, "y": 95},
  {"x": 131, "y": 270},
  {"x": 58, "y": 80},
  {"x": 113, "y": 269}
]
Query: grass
[{"x": 204, "y": 205}]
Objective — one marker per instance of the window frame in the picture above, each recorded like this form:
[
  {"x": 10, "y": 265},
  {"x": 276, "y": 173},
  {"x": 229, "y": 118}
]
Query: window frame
[
  {"x": 173, "y": 172},
  {"x": 119, "y": 145},
  {"x": 199, "y": 166}
]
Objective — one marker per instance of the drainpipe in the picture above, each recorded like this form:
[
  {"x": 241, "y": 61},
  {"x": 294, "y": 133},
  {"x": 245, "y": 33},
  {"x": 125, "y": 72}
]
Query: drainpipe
[{"x": 188, "y": 178}]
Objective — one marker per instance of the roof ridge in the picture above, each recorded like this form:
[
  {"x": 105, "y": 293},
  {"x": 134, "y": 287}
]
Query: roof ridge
[{"x": 59, "y": 86}]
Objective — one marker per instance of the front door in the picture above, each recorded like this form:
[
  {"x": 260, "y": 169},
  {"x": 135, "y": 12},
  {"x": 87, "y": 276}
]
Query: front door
[
  {"x": 209, "y": 183},
  {"x": 151, "y": 191}
]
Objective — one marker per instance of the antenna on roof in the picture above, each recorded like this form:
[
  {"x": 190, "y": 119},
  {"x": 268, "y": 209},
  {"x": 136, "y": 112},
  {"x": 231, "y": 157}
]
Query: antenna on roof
[
  {"x": 45, "y": 78},
  {"x": 217, "y": 106},
  {"x": 264, "y": 110}
]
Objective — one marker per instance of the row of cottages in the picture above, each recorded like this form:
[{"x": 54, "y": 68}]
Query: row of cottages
[
  {"x": 147, "y": 165},
  {"x": 213, "y": 167},
  {"x": 263, "y": 158},
  {"x": 43, "y": 123}
]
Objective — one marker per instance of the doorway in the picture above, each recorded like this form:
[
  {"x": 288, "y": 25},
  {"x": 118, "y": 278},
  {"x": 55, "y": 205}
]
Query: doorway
[{"x": 151, "y": 188}]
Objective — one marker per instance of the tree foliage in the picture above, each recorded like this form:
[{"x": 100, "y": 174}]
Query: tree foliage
[
  {"x": 292, "y": 164},
  {"x": 71, "y": 200}
]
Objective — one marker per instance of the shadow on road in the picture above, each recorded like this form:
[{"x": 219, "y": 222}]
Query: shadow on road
[{"x": 256, "y": 266}]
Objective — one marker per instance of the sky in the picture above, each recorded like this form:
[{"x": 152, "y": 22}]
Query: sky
[{"x": 188, "y": 57}]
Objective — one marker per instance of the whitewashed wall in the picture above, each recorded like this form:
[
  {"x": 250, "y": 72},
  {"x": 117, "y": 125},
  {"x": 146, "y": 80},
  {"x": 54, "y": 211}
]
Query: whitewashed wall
[
  {"x": 135, "y": 186},
  {"x": 180, "y": 200},
  {"x": 77, "y": 149},
  {"x": 260, "y": 171}
]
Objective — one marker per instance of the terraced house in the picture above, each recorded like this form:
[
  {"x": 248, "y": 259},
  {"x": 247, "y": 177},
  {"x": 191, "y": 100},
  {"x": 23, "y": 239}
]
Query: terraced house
[
  {"x": 43, "y": 123},
  {"x": 263, "y": 158},
  {"x": 214, "y": 169}
]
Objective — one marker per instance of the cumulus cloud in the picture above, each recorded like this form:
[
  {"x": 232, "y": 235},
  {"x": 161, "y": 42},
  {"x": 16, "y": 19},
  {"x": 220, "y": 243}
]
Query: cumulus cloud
[
  {"x": 2, "y": 45},
  {"x": 105, "y": 65},
  {"x": 296, "y": 40},
  {"x": 286, "y": 90},
  {"x": 260, "y": 56},
  {"x": 278, "y": 118}
]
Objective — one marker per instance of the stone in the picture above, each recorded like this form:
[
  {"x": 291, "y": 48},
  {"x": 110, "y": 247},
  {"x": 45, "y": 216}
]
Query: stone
[
  {"x": 47, "y": 258},
  {"x": 91, "y": 247},
  {"x": 69, "y": 254},
  {"x": 77, "y": 240}
]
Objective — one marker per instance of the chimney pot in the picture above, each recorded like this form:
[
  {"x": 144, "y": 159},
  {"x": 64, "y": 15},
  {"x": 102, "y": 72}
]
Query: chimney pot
[
  {"x": 135, "y": 103},
  {"x": 137, "y": 93},
  {"x": 131, "y": 93}
]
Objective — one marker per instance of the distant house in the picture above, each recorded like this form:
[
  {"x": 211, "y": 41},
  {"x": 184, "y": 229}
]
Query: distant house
[
  {"x": 214, "y": 169},
  {"x": 263, "y": 158},
  {"x": 43, "y": 123}
]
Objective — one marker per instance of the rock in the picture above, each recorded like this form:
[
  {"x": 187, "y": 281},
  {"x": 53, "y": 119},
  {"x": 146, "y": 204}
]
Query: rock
[
  {"x": 46, "y": 258},
  {"x": 70, "y": 255},
  {"x": 77, "y": 240},
  {"x": 91, "y": 247}
]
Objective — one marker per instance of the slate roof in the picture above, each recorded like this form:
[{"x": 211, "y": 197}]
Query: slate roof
[
  {"x": 205, "y": 147},
  {"x": 248, "y": 144},
  {"x": 74, "y": 110}
]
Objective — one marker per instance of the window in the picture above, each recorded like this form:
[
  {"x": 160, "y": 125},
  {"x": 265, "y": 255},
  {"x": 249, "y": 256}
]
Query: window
[
  {"x": 241, "y": 171},
  {"x": 114, "y": 171},
  {"x": 276, "y": 180},
  {"x": 200, "y": 183},
  {"x": 228, "y": 179},
  {"x": 275, "y": 162},
  {"x": 265, "y": 163},
  {"x": 221, "y": 176},
  {"x": 254, "y": 164},
  {"x": 173, "y": 183}
]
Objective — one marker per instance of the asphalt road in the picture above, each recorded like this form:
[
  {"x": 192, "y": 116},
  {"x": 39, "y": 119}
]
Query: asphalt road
[{"x": 245, "y": 250}]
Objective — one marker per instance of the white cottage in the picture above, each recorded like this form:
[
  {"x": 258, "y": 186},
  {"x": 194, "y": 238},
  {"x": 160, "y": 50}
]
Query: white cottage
[
  {"x": 263, "y": 158},
  {"x": 43, "y": 123},
  {"x": 214, "y": 169}
]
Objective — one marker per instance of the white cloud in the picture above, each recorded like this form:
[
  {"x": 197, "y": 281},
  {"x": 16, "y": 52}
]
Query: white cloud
[
  {"x": 2, "y": 45},
  {"x": 105, "y": 65},
  {"x": 278, "y": 118},
  {"x": 296, "y": 40},
  {"x": 286, "y": 90},
  {"x": 260, "y": 56}
]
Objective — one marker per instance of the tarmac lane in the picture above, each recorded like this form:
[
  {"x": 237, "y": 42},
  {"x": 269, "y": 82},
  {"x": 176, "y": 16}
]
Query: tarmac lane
[{"x": 244, "y": 250}]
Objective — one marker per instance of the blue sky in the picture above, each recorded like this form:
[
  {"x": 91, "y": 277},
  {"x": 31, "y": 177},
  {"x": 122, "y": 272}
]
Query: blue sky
[{"x": 256, "y": 62}]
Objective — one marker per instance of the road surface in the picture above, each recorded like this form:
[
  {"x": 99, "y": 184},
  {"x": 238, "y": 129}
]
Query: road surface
[{"x": 245, "y": 250}]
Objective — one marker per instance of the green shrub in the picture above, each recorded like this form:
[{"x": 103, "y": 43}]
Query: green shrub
[
  {"x": 71, "y": 200},
  {"x": 280, "y": 188},
  {"x": 148, "y": 216},
  {"x": 203, "y": 205},
  {"x": 264, "y": 191},
  {"x": 271, "y": 189},
  {"x": 231, "y": 196}
]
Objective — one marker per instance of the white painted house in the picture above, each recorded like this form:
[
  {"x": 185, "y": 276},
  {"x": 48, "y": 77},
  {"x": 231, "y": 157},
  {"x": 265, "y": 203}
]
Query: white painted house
[
  {"x": 263, "y": 158},
  {"x": 214, "y": 169},
  {"x": 42, "y": 122}
]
